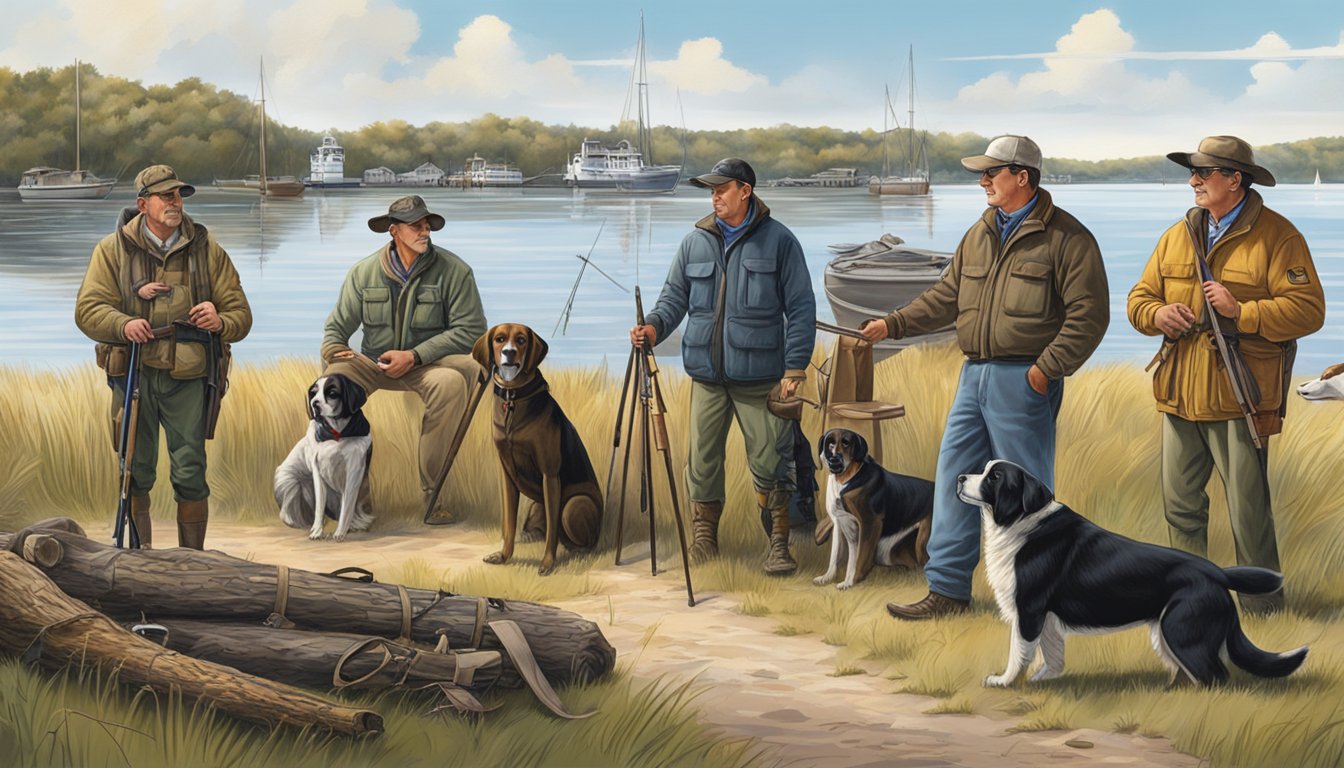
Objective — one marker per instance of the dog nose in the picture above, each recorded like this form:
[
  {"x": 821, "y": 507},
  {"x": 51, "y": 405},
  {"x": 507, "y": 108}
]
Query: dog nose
[{"x": 961, "y": 479}]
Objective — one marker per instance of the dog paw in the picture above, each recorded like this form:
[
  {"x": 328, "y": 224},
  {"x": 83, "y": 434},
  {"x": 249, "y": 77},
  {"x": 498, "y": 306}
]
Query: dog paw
[
  {"x": 546, "y": 567},
  {"x": 998, "y": 681},
  {"x": 844, "y": 585},
  {"x": 338, "y": 536},
  {"x": 822, "y": 581},
  {"x": 315, "y": 535},
  {"x": 1046, "y": 673},
  {"x": 495, "y": 558}
]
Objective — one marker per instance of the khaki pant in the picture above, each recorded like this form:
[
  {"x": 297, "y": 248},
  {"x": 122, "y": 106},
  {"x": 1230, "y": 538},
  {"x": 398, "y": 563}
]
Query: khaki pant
[
  {"x": 1190, "y": 452},
  {"x": 769, "y": 444},
  {"x": 443, "y": 385}
]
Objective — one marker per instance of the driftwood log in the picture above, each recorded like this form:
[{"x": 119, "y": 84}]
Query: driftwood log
[
  {"x": 182, "y": 583},
  {"x": 38, "y": 620}
]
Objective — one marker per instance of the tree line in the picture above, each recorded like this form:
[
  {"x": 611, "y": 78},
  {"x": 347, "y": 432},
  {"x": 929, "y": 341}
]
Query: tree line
[{"x": 205, "y": 133}]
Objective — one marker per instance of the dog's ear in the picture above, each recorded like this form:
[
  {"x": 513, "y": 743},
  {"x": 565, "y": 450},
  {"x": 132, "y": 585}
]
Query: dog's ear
[
  {"x": 308, "y": 402},
  {"x": 482, "y": 351},
  {"x": 1015, "y": 492},
  {"x": 860, "y": 451},
  {"x": 1332, "y": 371},
  {"x": 353, "y": 395},
  {"x": 536, "y": 350},
  {"x": 1035, "y": 494}
]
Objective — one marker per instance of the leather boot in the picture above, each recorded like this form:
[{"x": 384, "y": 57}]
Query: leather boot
[
  {"x": 191, "y": 520},
  {"x": 705, "y": 529},
  {"x": 140, "y": 517},
  {"x": 779, "y": 562},
  {"x": 932, "y": 606}
]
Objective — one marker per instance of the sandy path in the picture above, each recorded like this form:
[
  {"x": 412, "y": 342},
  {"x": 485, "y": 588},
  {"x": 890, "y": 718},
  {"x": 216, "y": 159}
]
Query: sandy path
[{"x": 798, "y": 708}]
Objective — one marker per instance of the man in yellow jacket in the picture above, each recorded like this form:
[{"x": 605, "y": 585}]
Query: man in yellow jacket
[
  {"x": 1261, "y": 277},
  {"x": 158, "y": 269}
]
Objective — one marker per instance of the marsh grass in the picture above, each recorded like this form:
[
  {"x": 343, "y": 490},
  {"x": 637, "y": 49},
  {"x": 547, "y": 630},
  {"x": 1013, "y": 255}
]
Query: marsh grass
[{"x": 1106, "y": 468}]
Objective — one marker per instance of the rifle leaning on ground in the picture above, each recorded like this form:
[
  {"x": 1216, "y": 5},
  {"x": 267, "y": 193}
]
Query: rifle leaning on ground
[
  {"x": 130, "y": 422},
  {"x": 1225, "y": 337}
]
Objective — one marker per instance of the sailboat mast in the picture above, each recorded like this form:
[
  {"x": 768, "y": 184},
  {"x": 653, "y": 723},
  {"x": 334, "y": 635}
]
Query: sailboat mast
[
  {"x": 77, "y": 109},
  {"x": 645, "y": 145},
  {"x": 262, "y": 152},
  {"x": 910, "y": 126}
]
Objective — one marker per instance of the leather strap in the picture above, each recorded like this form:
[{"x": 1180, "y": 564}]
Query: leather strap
[{"x": 515, "y": 644}]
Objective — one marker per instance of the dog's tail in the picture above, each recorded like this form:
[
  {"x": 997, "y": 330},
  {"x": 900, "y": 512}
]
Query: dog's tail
[
  {"x": 1250, "y": 580},
  {"x": 1244, "y": 654}
]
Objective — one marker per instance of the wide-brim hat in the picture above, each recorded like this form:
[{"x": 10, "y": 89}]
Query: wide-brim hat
[
  {"x": 157, "y": 179},
  {"x": 406, "y": 210},
  {"x": 1225, "y": 152},
  {"x": 1005, "y": 150},
  {"x": 727, "y": 169}
]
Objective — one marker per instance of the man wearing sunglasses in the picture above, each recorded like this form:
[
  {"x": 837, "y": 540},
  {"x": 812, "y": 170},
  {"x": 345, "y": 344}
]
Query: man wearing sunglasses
[
  {"x": 1258, "y": 276},
  {"x": 1028, "y": 291},
  {"x": 159, "y": 277}
]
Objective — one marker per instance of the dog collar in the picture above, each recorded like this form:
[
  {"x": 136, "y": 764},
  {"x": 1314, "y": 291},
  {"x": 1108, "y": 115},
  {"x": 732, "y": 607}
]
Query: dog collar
[
  {"x": 358, "y": 427},
  {"x": 508, "y": 395}
]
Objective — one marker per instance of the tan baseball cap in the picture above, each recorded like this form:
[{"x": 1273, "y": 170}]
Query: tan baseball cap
[
  {"x": 1225, "y": 152},
  {"x": 1005, "y": 150},
  {"x": 160, "y": 178}
]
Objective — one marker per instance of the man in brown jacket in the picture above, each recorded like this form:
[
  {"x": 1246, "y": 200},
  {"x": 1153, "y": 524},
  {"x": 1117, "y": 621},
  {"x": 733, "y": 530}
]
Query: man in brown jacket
[
  {"x": 1261, "y": 277},
  {"x": 157, "y": 269},
  {"x": 1028, "y": 291}
]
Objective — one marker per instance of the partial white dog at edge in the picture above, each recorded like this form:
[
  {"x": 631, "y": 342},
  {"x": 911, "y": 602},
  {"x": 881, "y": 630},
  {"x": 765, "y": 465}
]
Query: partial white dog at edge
[
  {"x": 1330, "y": 385},
  {"x": 329, "y": 463}
]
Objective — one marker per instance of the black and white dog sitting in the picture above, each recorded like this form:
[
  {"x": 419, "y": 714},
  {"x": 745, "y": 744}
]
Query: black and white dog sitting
[
  {"x": 1054, "y": 572},
  {"x": 875, "y": 512},
  {"x": 331, "y": 461}
]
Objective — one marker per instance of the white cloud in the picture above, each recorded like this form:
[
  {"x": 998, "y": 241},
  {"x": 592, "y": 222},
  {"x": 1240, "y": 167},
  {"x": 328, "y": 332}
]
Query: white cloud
[{"x": 700, "y": 68}]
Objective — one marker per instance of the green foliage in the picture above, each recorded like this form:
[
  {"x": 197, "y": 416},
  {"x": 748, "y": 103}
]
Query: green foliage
[{"x": 205, "y": 132}]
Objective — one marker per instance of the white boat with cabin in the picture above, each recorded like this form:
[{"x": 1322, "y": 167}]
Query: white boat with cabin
[
  {"x": 326, "y": 167},
  {"x": 47, "y": 183}
]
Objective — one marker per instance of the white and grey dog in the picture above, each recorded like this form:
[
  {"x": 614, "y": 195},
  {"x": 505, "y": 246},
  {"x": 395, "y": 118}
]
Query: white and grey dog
[
  {"x": 1330, "y": 386},
  {"x": 328, "y": 465}
]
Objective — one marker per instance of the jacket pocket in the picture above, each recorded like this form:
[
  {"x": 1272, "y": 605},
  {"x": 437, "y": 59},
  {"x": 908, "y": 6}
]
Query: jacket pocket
[
  {"x": 189, "y": 360},
  {"x": 700, "y": 285},
  {"x": 1264, "y": 360},
  {"x": 377, "y": 307},
  {"x": 1178, "y": 284},
  {"x": 1028, "y": 291},
  {"x": 755, "y": 349},
  {"x": 762, "y": 283},
  {"x": 696, "y": 342},
  {"x": 114, "y": 359},
  {"x": 427, "y": 314},
  {"x": 971, "y": 290}
]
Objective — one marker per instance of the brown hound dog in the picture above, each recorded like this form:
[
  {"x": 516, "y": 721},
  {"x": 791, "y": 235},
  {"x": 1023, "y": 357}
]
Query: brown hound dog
[{"x": 539, "y": 449}]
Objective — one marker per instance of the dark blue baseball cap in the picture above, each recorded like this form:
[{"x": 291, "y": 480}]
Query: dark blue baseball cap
[{"x": 727, "y": 169}]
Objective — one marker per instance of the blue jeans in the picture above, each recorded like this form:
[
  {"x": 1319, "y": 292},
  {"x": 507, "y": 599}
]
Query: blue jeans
[{"x": 995, "y": 415}]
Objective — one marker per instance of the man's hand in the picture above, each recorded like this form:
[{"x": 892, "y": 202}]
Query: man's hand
[
  {"x": 787, "y": 387},
  {"x": 1222, "y": 300},
  {"x": 149, "y": 291},
  {"x": 874, "y": 330},
  {"x": 138, "y": 330},
  {"x": 205, "y": 317},
  {"x": 1174, "y": 320},
  {"x": 1037, "y": 379},
  {"x": 396, "y": 362},
  {"x": 640, "y": 333}
]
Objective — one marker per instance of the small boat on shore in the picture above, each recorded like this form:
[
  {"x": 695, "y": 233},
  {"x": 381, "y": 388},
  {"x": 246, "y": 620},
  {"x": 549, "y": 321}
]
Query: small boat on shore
[{"x": 868, "y": 280}]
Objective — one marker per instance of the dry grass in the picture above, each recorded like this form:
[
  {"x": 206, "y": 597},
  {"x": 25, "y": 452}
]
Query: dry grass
[{"x": 1107, "y": 468}]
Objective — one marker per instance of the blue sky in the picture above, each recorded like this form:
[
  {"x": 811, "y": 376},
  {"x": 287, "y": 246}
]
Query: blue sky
[{"x": 1085, "y": 79}]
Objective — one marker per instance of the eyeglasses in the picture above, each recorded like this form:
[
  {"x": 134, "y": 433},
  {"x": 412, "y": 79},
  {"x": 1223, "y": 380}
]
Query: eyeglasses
[
  {"x": 167, "y": 197},
  {"x": 1205, "y": 173},
  {"x": 996, "y": 170}
]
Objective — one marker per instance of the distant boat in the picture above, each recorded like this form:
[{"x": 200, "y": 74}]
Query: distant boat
[
  {"x": 271, "y": 186},
  {"x": 476, "y": 172},
  {"x": 625, "y": 168},
  {"x": 868, "y": 280},
  {"x": 46, "y": 183},
  {"x": 1317, "y": 182},
  {"x": 327, "y": 167},
  {"x": 915, "y": 177},
  {"x": 829, "y": 178}
]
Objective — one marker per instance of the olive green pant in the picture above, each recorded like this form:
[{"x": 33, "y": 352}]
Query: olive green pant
[
  {"x": 769, "y": 443},
  {"x": 442, "y": 385},
  {"x": 1191, "y": 450},
  {"x": 177, "y": 406}
]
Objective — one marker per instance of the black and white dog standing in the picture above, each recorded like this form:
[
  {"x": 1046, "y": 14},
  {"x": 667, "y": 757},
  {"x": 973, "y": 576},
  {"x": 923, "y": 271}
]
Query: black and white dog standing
[
  {"x": 330, "y": 462},
  {"x": 1053, "y": 572}
]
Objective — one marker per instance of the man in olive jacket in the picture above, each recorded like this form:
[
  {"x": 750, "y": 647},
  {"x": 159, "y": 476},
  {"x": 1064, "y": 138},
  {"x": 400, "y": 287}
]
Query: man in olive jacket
[
  {"x": 740, "y": 280},
  {"x": 1028, "y": 290},
  {"x": 157, "y": 269},
  {"x": 1263, "y": 280},
  {"x": 421, "y": 313}
]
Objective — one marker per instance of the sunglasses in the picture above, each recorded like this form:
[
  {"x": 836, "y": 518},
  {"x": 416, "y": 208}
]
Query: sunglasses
[
  {"x": 167, "y": 197},
  {"x": 996, "y": 170},
  {"x": 1205, "y": 173}
]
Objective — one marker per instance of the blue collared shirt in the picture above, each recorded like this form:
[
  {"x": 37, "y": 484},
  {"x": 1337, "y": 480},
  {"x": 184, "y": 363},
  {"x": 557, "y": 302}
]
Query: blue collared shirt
[
  {"x": 1218, "y": 228},
  {"x": 1009, "y": 222}
]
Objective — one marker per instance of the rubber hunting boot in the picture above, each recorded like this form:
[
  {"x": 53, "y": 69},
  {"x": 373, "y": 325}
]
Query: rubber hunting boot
[
  {"x": 191, "y": 520},
  {"x": 779, "y": 562},
  {"x": 140, "y": 517}
]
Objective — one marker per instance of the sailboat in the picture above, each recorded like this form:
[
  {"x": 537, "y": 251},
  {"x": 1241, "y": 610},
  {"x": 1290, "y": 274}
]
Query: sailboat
[
  {"x": 1317, "y": 182},
  {"x": 46, "y": 183},
  {"x": 915, "y": 180},
  {"x": 271, "y": 186},
  {"x": 626, "y": 167}
]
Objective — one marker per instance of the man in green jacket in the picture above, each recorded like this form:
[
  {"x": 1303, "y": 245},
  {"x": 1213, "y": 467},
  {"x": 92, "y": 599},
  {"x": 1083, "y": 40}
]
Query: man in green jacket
[
  {"x": 421, "y": 313},
  {"x": 157, "y": 269},
  {"x": 1028, "y": 291}
]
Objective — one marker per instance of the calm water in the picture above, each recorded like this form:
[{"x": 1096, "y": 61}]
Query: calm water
[{"x": 293, "y": 256}]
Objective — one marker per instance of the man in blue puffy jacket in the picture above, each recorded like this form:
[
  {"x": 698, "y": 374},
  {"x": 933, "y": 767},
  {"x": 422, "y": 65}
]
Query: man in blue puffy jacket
[{"x": 741, "y": 281}]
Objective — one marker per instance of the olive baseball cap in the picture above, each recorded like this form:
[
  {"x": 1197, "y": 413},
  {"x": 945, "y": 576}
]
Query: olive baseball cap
[
  {"x": 727, "y": 169},
  {"x": 160, "y": 178},
  {"x": 1225, "y": 152},
  {"x": 1005, "y": 150},
  {"x": 406, "y": 210}
]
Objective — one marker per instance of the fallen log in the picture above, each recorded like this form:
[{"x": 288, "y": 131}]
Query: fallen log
[
  {"x": 38, "y": 620},
  {"x": 183, "y": 583}
]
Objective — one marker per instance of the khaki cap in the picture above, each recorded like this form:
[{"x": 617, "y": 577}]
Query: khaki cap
[
  {"x": 160, "y": 178},
  {"x": 1005, "y": 150}
]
